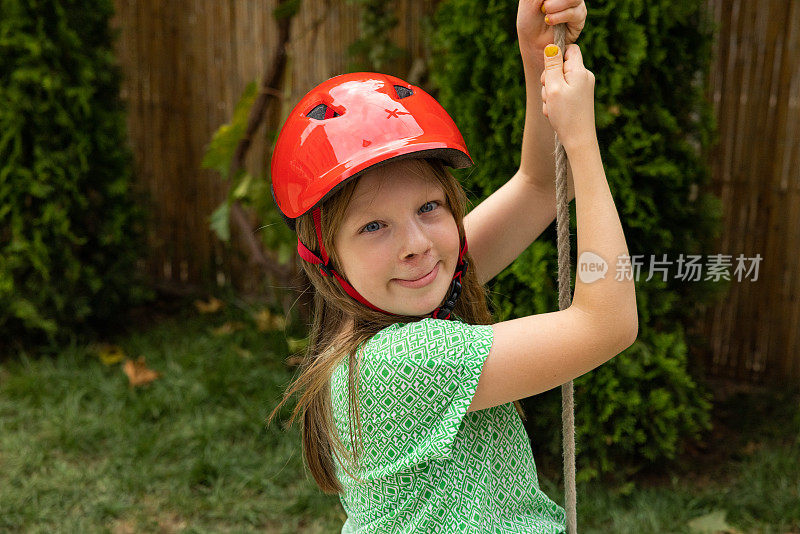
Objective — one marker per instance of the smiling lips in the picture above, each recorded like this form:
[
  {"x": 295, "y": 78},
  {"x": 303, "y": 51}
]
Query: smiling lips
[{"x": 420, "y": 282}]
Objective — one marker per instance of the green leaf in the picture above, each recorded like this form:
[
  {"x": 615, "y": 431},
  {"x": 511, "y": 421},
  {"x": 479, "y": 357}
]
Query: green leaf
[
  {"x": 219, "y": 151},
  {"x": 26, "y": 311},
  {"x": 244, "y": 186},
  {"x": 220, "y": 221}
]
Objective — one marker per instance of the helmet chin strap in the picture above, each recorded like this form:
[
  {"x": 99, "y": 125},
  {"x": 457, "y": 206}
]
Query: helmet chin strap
[
  {"x": 445, "y": 311},
  {"x": 442, "y": 312}
]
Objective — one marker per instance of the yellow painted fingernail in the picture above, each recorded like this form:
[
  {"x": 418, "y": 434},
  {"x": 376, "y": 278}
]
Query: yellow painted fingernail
[
  {"x": 547, "y": 19},
  {"x": 543, "y": 9},
  {"x": 551, "y": 50}
]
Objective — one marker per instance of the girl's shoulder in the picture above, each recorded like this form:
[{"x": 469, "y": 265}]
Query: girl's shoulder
[
  {"x": 427, "y": 332},
  {"x": 428, "y": 335}
]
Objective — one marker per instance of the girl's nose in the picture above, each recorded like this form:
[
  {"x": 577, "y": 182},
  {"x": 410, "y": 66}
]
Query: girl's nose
[{"x": 415, "y": 241}]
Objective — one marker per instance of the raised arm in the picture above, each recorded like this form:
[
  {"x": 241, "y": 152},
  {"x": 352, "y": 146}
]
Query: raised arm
[
  {"x": 533, "y": 354},
  {"x": 511, "y": 218}
]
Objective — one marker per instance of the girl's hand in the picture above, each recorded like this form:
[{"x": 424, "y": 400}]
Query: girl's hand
[
  {"x": 534, "y": 32},
  {"x": 568, "y": 96}
]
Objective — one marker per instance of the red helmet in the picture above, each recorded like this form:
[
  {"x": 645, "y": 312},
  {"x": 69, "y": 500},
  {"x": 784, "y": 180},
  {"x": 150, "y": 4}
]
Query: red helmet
[
  {"x": 343, "y": 127},
  {"x": 350, "y": 123}
]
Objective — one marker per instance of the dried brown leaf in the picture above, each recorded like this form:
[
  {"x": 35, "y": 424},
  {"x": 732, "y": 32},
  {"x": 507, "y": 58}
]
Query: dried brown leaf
[
  {"x": 244, "y": 353},
  {"x": 227, "y": 328},
  {"x": 213, "y": 305},
  {"x": 138, "y": 373},
  {"x": 266, "y": 321}
]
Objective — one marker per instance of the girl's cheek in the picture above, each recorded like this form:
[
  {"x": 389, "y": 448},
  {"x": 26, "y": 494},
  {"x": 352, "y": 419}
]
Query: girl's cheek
[
  {"x": 375, "y": 255},
  {"x": 448, "y": 232}
]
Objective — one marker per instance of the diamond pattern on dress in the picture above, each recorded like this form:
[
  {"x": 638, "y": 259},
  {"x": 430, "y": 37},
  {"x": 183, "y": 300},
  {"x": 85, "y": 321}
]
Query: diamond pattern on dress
[{"x": 430, "y": 466}]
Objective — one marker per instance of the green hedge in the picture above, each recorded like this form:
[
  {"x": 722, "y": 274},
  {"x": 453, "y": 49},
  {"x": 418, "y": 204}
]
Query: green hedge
[
  {"x": 650, "y": 58},
  {"x": 70, "y": 232}
]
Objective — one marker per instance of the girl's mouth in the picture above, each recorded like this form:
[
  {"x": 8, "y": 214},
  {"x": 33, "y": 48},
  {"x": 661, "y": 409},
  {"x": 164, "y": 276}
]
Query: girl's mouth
[{"x": 420, "y": 282}]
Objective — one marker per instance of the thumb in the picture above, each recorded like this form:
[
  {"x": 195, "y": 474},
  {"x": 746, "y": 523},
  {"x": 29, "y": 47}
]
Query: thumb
[{"x": 553, "y": 66}]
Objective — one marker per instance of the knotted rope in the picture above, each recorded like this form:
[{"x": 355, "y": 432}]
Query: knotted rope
[{"x": 564, "y": 299}]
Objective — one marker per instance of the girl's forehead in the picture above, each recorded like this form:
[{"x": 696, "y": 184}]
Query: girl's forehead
[{"x": 386, "y": 187}]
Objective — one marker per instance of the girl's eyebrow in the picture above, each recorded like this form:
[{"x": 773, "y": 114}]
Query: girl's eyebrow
[
  {"x": 361, "y": 219},
  {"x": 368, "y": 214},
  {"x": 358, "y": 219}
]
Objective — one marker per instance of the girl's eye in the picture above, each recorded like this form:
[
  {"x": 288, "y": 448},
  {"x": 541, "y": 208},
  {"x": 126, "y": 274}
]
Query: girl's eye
[
  {"x": 374, "y": 226},
  {"x": 423, "y": 210}
]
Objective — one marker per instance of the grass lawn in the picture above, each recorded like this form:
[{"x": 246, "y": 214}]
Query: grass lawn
[{"x": 82, "y": 451}]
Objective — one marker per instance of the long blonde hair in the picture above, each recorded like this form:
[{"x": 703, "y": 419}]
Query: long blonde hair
[{"x": 334, "y": 310}]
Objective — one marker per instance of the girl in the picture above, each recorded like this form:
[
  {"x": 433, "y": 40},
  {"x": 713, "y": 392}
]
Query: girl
[{"x": 408, "y": 409}]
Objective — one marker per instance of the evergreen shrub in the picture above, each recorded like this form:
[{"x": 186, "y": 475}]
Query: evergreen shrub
[
  {"x": 70, "y": 231},
  {"x": 650, "y": 58}
]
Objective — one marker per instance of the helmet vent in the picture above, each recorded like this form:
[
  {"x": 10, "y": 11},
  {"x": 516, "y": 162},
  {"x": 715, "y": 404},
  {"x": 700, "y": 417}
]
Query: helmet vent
[
  {"x": 403, "y": 92},
  {"x": 321, "y": 112}
]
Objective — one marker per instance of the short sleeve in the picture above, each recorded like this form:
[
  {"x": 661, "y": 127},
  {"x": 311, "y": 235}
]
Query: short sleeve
[{"x": 417, "y": 382}]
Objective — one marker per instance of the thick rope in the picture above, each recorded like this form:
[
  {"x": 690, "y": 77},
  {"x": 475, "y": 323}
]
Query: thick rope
[{"x": 564, "y": 298}]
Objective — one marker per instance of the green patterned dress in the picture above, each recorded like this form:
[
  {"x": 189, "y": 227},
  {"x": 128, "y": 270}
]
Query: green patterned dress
[{"x": 427, "y": 465}]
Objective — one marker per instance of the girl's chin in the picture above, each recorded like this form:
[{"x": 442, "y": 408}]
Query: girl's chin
[{"x": 417, "y": 308}]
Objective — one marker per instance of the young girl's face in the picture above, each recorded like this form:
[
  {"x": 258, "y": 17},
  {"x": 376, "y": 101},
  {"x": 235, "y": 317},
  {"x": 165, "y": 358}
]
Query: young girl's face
[{"x": 398, "y": 242}]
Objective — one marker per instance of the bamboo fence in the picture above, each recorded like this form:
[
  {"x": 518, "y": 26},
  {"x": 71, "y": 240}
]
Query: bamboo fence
[
  {"x": 186, "y": 64},
  {"x": 755, "y": 89}
]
